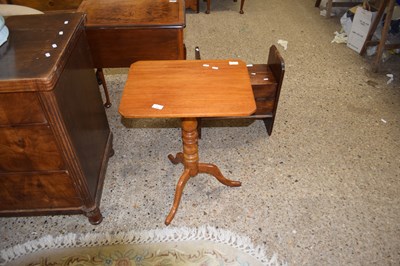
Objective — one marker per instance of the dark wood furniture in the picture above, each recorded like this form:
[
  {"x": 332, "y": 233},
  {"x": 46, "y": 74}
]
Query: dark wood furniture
[
  {"x": 209, "y": 6},
  {"x": 266, "y": 81},
  {"x": 388, "y": 7},
  {"x": 330, "y": 4},
  {"x": 55, "y": 139},
  {"x": 46, "y": 5},
  {"x": 193, "y": 5},
  {"x": 188, "y": 89},
  {"x": 121, "y": 32}
]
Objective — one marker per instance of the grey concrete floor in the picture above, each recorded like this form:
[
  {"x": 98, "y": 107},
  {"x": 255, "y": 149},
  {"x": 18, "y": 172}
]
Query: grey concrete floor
[{"x": 323, "y": 189}]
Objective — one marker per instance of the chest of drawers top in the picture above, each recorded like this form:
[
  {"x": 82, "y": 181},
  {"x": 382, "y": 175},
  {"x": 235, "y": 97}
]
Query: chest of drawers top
[{"x": 36, "y": 51}]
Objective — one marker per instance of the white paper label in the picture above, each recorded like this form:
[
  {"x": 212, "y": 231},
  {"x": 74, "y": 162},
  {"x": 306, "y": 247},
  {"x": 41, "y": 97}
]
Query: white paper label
[{"x": 157, "y": 106}]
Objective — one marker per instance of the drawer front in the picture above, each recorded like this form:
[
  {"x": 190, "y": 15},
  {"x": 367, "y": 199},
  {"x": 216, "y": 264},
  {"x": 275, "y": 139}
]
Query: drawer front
[
  {"x": 264, "y": 91},
  {"x": 26, "y": 149},
  {"x": 121, "y": 47},
  {"x": 20, "y": 108},
  {"x": 264, "y": 107},
  {"x": 41, "y": 191}
]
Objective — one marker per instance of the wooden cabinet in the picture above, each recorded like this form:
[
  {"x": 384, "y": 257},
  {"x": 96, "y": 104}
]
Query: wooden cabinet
[{"x": 55, "y": 139}]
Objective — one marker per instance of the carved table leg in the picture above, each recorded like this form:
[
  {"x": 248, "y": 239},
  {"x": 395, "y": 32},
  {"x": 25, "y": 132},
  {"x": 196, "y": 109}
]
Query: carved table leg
[
  {"x": 241, "y": 7},
  {"x": 214, "y": 171},
  {"x": 102, "y": 81},
  {"x": 177, "y": 159},
  {"x": 208, "y": 6},
  {"x": 178, "y": 194},
  {"x": 190, "y": 159}
]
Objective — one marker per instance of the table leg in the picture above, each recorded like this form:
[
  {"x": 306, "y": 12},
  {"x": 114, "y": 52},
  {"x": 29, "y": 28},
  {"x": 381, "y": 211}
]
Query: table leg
[
  {"x": 208, "y": 6},
  {"x": 385, "y": 31},
  {"x": 102, "y": 81},
  {"x": 190, "y": 159}
]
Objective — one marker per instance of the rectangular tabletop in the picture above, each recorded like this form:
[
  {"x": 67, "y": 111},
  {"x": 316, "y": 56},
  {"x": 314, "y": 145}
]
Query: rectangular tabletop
[{"x": 187, "y": 88}]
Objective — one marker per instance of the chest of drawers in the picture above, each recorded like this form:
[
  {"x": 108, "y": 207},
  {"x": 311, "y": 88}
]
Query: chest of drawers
[{"x": 55, "y": 139}]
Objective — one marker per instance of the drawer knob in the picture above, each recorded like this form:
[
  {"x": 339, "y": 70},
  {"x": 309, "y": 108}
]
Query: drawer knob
[{"x": 21, "y": 143}]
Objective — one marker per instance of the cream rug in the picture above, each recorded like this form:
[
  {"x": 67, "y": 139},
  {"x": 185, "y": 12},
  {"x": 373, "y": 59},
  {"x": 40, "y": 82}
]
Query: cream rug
[{"x": 205, "y": 246}]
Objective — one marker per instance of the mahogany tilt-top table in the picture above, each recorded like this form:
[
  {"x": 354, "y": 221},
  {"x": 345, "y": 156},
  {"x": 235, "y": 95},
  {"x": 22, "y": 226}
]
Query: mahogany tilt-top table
[{"x": 188, "y": 89}]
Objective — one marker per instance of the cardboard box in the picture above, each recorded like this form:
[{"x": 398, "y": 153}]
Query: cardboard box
[{"x": 359, "y": 30}]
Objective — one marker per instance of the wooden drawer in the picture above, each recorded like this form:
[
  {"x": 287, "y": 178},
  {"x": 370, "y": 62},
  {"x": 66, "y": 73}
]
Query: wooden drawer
[
  {"x": 264, "y": 92},
  {"x": 37, "y": 191},
  {"x": 31, "y": 148},
  {"x": 121, "y": 47},
  {"x": 264, "y": 107},
  {"x": 20, "y": 108}
]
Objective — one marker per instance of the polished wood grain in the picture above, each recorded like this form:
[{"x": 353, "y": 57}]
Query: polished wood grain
[
  {"x": 47, "y": 5},
  {"x": 33, "y": 37},
  {"x": 21, "y": 108},
  {"x": 123, "y": 31},
  {"x": 24, "y": 149},
  {"x": 112, "y": 47},
  {"x": 193, "y": 5},
  {"x": 138, "y": 13},
  {"x": 187, "y": 89},
  {"x": 30, "y": 192},
  {"x": 54, "y": 135}
]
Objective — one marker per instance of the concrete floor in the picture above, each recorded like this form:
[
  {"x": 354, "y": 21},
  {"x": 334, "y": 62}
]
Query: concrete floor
[{"x": 322, "y": 190}]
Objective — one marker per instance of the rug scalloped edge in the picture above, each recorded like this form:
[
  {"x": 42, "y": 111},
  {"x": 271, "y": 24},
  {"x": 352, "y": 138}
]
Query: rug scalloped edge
[{"x": 209, "y": 233}]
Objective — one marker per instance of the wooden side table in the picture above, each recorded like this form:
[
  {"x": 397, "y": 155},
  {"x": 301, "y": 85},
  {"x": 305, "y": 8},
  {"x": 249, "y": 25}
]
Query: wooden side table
[
  {"x": 188, "y": 89},
  {"x": 55, "y": 140}
]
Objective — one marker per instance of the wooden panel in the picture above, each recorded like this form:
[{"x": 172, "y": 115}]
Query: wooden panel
[
  {"x": 47, "y": 5},
  {"x": 20, "y": 108},
  {"x": 137, "y": 13},
  {"x": 80, "y": 106},
  {"x": 122, "y": 47},
  {"x": 264, "y": 107},
  {"x": 28, "y": 149},
  {"x": 192, "y": 4},
  {"x": 41, "y": 191},
  {"x": 264, "y": 91}
]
